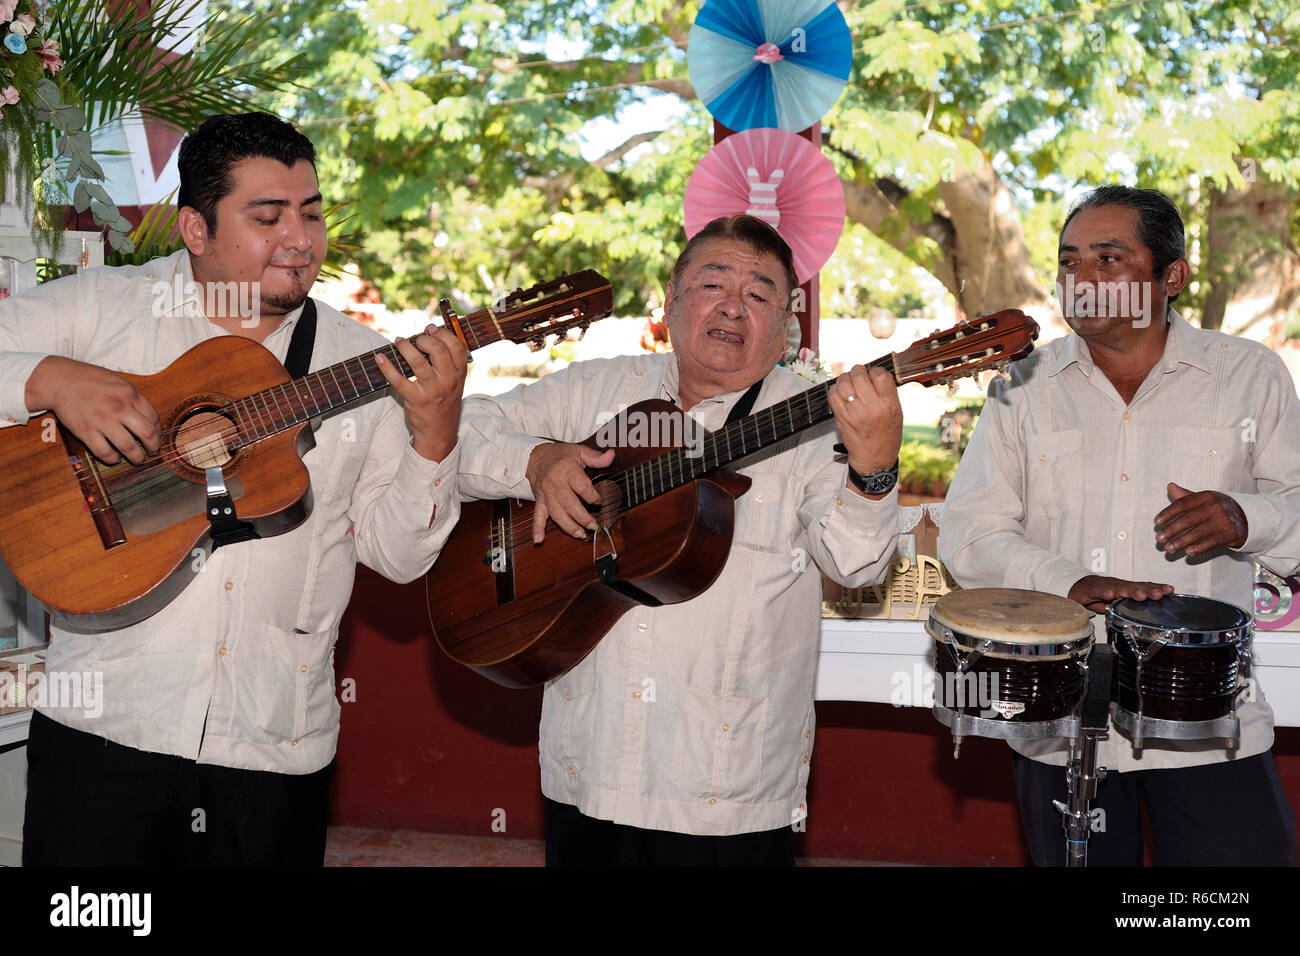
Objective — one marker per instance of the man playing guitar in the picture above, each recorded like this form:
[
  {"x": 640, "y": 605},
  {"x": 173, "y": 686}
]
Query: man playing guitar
[
  {"x": 214, "y": 739},
  {"x": 685, "y": 736}
]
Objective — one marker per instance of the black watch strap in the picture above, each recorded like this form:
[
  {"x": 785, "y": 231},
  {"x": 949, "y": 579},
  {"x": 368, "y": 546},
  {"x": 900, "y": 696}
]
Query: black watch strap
[{"x": 876, "y": 483}]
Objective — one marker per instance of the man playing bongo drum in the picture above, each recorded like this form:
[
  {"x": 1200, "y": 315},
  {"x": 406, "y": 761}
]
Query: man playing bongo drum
[{"x": 1137, "y": 457}]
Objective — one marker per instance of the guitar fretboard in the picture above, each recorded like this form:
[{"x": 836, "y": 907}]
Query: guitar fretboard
[
  {"x": 551, "y": 308},
  {"x": 279, "y": 407},
  {"x": 740, "y": 439}
]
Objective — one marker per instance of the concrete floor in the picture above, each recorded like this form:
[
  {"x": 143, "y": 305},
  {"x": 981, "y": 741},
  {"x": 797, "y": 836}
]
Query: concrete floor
[{"x": 358, "y": 846}]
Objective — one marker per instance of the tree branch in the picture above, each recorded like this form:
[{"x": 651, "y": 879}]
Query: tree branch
[
  {"x": 556, "y": 185},
  {"x": 631, "y": 143}
]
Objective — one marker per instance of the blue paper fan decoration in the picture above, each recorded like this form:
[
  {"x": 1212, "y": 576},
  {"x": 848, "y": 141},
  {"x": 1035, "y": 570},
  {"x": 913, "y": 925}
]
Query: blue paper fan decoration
[{"x": 769, "y": 63}]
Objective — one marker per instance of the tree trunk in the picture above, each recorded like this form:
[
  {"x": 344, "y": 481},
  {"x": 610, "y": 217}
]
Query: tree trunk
[
  {"x": 992, "y": 262},
  {"x": 984, "y": 261},
  {"x": 1254, "y": 269}
]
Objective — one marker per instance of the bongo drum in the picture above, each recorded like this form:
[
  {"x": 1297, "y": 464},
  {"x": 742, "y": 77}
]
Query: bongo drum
[
  {"x": 1181, "y": 661},
  {"x": 1009, "y": 663}
]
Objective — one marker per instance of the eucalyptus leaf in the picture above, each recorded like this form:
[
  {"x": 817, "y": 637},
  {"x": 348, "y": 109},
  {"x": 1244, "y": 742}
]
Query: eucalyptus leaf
[
  {"x": 97, "y": 191},
  {"x": 80, "y": 142},
  {"x": 47, "y": 93},
  {"x": 81, "y": 197},
  {"x": 120, "y": 242},
  {"x": 104, "y": 212},
  {"x": 72, "y": 117},
  {"x": 93, "y": 169}
]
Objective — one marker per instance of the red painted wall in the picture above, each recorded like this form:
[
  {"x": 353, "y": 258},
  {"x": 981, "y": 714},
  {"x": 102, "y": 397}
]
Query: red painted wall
[{"x": 429, "y": 745}]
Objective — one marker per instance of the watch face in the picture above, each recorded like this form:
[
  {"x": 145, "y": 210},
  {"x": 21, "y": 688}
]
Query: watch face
[{"x": 878, "y": 482}]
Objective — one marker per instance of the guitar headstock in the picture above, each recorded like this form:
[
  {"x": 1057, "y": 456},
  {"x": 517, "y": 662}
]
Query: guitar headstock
[
  {"x": 528, "y": 316},
  {"x": 990, "y": 341}
]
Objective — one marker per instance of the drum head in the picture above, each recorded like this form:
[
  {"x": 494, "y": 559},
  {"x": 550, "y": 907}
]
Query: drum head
[
  {"x": 1012, "y": 616},
  {"x": 1182, "y": 612}
]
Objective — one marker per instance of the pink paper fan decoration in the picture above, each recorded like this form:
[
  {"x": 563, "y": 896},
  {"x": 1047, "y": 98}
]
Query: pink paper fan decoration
[{"x": 779, "y": 177}]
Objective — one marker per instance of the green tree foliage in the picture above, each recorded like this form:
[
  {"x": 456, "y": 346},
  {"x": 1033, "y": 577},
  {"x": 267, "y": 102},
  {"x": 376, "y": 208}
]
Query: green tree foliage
[{"x": 457, "y": 127}]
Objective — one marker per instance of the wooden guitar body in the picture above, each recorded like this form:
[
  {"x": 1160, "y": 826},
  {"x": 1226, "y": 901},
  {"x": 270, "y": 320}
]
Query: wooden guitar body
[
  {"x": 544, "y": 607},
  {"x": 522, "y": 614},
  {"x": 144, "y": 523},
  {"x": 105, "y": 546}
]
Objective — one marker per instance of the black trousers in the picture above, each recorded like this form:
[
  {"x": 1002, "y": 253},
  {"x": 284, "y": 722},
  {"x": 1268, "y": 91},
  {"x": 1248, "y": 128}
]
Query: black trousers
[
  {"x": 1232, "y": 813},
  {"x": 573, "y": 839},
  {"x": 91, "y": 802}
]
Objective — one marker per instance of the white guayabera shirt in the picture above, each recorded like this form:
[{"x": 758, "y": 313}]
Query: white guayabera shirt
[
  {"x": 1062, "y": 480},
  {"x": 238, "y": 670},
  {"x": 695, "y": 717}
]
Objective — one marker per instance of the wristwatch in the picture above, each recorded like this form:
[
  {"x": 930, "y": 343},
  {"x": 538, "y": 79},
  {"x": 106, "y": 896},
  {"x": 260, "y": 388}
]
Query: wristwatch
[{"x": 876, "y": 483}]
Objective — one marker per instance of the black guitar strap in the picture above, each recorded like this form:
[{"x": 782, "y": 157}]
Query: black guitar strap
[
  {"x": 224, "y": 522},
  {"x": 298, "y": 359},
  {"x": 746, "y": 403}
]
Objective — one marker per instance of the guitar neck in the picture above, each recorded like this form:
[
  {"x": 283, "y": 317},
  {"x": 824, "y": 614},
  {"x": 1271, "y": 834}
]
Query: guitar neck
[
  {"x": 317, "y": 394},
  {"x": 739, "y": 439}
]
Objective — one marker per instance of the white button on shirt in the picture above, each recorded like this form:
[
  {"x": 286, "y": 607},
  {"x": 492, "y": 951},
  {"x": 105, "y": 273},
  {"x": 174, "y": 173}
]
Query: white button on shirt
[
  {"x": 1062, "y": 480},
  {"x": 721, "y": 746},
  {"x": 246, "y": 649}
]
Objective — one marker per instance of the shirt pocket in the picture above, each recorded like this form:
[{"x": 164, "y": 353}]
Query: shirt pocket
[
  {"x": 718, "y": 746},
  {"x": 291, "y": 682},
  {"x": 767, "y": 515},
  {"x": 1054, "y": 487},
  {"x": 568, "y": 709},
  {"x": 342, "y": 442},
  {"x": 1199, "y": 458}
]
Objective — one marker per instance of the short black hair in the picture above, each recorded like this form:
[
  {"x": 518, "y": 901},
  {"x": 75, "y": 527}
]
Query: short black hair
[
  {"x": 1159, "y": 226},
  {"x": 753, "y": 232},
  {"x": 208, "y": 153}
]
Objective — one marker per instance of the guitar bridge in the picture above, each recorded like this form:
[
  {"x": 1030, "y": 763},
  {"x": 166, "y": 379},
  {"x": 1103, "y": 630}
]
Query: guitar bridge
[
  {"x": 93, "y": 492},
  {"x": 501, "y": 546}
]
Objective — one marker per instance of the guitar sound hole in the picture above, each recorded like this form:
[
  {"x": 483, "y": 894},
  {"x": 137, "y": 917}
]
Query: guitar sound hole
[{"x": 202, "y": 440}]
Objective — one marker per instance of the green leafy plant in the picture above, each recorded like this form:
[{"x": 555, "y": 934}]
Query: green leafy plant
[
  {"x": 105, "y": 61},
  {"x": 924, "y": 469},
  {"x": 956, "y": 425}
]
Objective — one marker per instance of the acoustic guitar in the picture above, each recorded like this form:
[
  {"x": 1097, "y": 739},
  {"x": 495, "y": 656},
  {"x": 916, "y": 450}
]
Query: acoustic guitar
[
  {"x": 522, "y": 614},
  {"x": 105, "y": 546}
]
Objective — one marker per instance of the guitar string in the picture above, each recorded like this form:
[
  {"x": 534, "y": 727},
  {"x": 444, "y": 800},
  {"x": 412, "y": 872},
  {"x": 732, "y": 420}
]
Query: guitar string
[
  {"x": 681, "y": 470},
  {"x": 639, "y": 474},
  {"x": 245, "y": 424},
  {"x": 478, "y": 328},
  {"x": 246, "y": 420}
]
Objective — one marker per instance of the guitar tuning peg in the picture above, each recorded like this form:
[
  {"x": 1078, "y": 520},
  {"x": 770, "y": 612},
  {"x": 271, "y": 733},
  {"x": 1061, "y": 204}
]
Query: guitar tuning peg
[
  {"x": 952, "y": 387},
  {"x": 577, "y": 332},
  {"x": 537, "y": 343}
]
